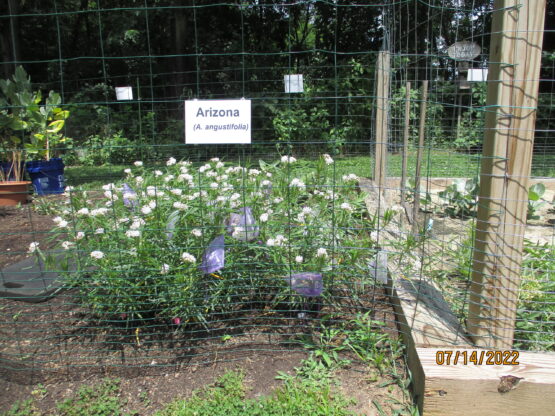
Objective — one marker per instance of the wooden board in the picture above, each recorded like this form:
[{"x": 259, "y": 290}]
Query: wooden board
[
  {"x": 479, "y": 390},
  {"x": 515, "y": 59},
  {"x": 382, "y": 116}
]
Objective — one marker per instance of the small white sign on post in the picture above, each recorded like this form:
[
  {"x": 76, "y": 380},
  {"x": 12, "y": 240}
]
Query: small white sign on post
[
  {"x": 293, "y": 83},
  {"x": 477, "y": 75},
  {"x": 124, "y": 93},
  {"x": 218, "y": 121},
  {"x": 464, "y": 50}
]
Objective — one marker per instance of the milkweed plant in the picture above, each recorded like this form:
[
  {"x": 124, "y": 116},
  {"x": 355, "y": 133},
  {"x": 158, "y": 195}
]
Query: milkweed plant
[{"x": 185, "y": 243}]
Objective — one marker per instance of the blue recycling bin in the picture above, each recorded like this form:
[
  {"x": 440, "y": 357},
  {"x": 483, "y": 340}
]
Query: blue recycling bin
[{"x": 47, "y": 176}]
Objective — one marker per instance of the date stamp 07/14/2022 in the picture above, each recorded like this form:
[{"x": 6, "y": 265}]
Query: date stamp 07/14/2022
[{"x": 477, "y": 357}]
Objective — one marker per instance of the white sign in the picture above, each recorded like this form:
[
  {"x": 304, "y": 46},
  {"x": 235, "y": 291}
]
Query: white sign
[
  {"x": 293, "y": 83},
  {"x": 477, "y": 75},
  {"x": 217, "y": 121},
  {"x": 124, "y": 93},
  {"x": 464, "y": 50}
]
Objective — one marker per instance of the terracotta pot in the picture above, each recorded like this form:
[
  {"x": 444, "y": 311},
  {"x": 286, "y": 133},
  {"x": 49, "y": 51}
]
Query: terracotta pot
[{"x": 14, "y": 192}]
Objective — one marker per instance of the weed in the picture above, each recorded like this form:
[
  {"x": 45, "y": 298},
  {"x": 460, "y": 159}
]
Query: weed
[
  {"x": 97, "y": 400},
  {"x": 535, "y": 193}
]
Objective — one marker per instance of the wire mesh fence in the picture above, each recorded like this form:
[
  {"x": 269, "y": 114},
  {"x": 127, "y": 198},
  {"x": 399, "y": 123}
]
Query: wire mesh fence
[{"x": 152, "y": 252}]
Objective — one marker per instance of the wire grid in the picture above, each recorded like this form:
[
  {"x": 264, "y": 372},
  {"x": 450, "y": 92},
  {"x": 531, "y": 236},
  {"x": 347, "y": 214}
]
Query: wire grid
[{"x": 106, "y": 318}]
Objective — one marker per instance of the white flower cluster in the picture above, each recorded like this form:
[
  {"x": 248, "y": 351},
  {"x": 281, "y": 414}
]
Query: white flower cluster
[
  {"x": 351, "y": 177},
  {"x": 297, "y": 183},
  {"x": 328, "y": 159},
  {"x": 276, "y": 242},
  {"x": 288, "y": 159},
  {"x": 188, "y": 258}
]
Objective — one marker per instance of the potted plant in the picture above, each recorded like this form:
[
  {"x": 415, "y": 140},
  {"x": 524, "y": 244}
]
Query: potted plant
[
  {"x": 45, "y": 126},
  {"x": 15, "y": 97}
]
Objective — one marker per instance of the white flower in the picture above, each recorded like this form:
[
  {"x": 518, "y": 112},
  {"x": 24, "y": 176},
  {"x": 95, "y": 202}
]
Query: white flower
[
  {"x": 204, "y": 168},
  {"x": 169, "y": 178},
  {"x": 374, "y": 235},
  {"x": 234, "y": 197},
  {"x": 83, "y": 211},
  {"x": 351, "y": 177},
  {"x": 146, "y": 210},
  {"x": 268, "y": 174},
  {"x": 66, "y": 245},
  {"x": 152, "y": 204},
  {"x": 321, "y": 252},
  {"x": 299, "y": 259},
  {"x": 266, "y": 182},
  {"x": 33, "y": 247},
  {"x": 254, "y": 172},
  {"x": 110, "y": 195},
  {"x": 80, "y": 235},
  {"x": 307, "y": 211},
  {"x": 347, "y": 207},
  {"x": 123, "y": 220},
  {"x": 97, "y": 255},
  {"x": 128, "y": 171},
  {"x": 171, "y": 161},
  {"x": 196, "y": 232},
  {"x": 264, "y": 217},
  {"x": 57, "y": 220},
  {"x": 271, "y": 242},
  {"x": 185, "y": 163},
  {"x": 99, "y": 231},
  {"x": 280, "y": 240},
  {"x": 165, "y": 268},
  {"x": 327, "y": 159},
  {"x": 158, "y": 173},
  {"x": 215, "y": 159},
  {"x": 219, "y": 165},
  {"x": 137, "y": 223},
  {"x": 297, "y": 183},
  {"x": 214, "y": 185},
  {"x": 185, "y": 177},
  {"x": 130, "y": 195},
  {"x": 188, "y": 258},
  {"x": 99, "y": 212},
  {"x": 139, "y": 179},
  {"x": 109, "y": 187},
  {"x": 138, "y": 163},
  {"x": 180, "y": 205},
  {"x": 63, "y": 224},
  {"x": 211, "y": 174},
  {"x": 177, "y": 191},
  {"x": 69, "y": 189},
  {"x": 133, "y": 233},
  {"x": 288, "y": 159},
  {"x": 184, "y": 169},
  {"x": 278, "y": 200}
]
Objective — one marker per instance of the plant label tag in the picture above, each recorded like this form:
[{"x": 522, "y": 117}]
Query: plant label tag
[
  {"x": 477, "y": 75},
  {"x": 218, "y": 121},
  {"x": 293, "y": 83},
  {"x": 124, "y": 93}
]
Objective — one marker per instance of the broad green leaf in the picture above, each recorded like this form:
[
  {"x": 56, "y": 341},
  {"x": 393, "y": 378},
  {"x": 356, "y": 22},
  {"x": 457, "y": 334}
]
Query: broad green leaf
[{"x": 56, "y": 126}]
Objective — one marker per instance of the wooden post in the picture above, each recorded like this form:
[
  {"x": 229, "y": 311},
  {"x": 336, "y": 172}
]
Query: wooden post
[
  {"x": 382, "y": 117},
  {"x": 406, "y": 135},
  {"x": 515, "y": 58},
  {"x": 420, "y": 152}
]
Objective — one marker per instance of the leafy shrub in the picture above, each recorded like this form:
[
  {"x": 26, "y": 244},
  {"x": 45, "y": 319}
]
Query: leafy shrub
[
  {"x": 535, "y": 194},
  {"x": 143, "y": 241},
  {"x": 536, "y": 307},
  {"x": 461, "y": 197},
  {"x": 115, "y": 149}
]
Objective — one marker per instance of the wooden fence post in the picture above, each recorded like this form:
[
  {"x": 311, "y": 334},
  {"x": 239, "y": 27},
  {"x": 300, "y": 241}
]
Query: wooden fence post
[
  {"x": 419, "y": 154},
  {"x": 382, "y": 117},
  {"x": 515, "y": 59},
  {"x": 406, "y": 135}
]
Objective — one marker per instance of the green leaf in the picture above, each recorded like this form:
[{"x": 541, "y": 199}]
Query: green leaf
[{"x": 56, "y": 126}]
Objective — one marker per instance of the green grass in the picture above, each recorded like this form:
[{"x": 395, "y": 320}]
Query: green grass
[
  {"x": 227, "y": 397},
  {"x": 435, "y": 163}
]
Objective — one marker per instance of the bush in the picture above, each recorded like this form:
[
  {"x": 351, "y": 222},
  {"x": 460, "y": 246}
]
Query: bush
[
  {"x": 144, "y": 241},
  {"x": 115, "y": 149}
]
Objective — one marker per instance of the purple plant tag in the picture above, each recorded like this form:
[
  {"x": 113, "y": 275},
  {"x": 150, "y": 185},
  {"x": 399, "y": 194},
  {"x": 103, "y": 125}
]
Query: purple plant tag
[
  {"x": 307, "y": 283},
  {"x": 213, "y": 258},
  {"x": 242, "y": 226},
  {"x": 129, "y": 196}
]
